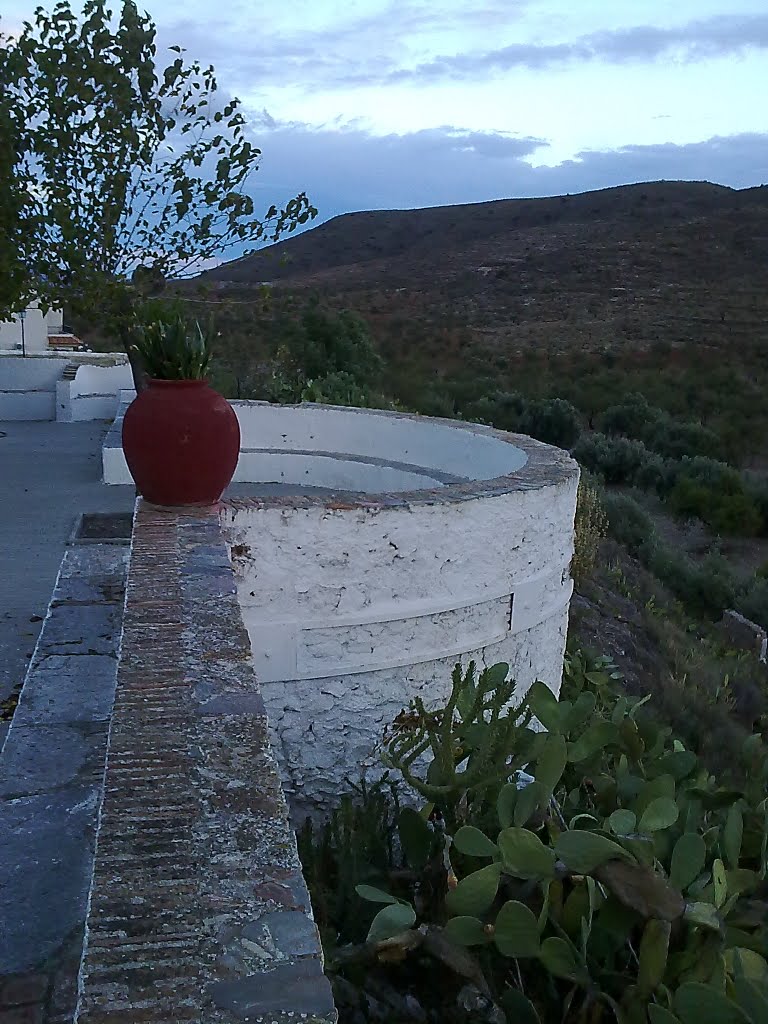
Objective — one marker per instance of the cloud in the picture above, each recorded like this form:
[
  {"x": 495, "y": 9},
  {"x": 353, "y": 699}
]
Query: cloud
[
  {"x": 379, "y": 48},
  {"x": 347, "y": 168},
  {"x": 712, "y": 37}
]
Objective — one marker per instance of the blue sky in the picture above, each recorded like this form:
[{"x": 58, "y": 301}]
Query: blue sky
[{"x": 401, "y": 103}]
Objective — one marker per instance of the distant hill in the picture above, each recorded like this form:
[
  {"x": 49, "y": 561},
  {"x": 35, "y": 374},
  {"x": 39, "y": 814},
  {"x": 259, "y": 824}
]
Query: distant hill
[{"x": 660, "y": 261}]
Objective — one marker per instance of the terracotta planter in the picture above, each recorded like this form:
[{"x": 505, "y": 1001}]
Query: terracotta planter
[{"x": 181, "y": 441}]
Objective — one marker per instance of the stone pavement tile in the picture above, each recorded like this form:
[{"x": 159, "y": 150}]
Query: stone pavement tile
[
  {"x": 45, "y": 874},
  {"x": 67, "y": 688},
  {"x": 24, "y": 988},
  {"x": 81, "y": 629},
  {"x": 22, "y": 1015},
  {"x": 289, "y": 988},
  {"x": 44, "y": 758}
]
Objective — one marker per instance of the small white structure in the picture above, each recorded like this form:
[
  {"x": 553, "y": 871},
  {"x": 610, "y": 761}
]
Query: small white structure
[
  {"x": 449, "y": 542},
  {"x": 78, "y": 386},
  {"x": 33, "y": 331}
]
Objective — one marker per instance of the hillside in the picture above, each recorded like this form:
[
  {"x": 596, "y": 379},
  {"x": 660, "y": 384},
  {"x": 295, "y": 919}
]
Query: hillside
[{"x": 663, "y": 261}]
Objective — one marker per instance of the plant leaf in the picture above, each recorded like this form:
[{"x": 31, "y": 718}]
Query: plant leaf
[
  {"x": 658, "y": 1015},
  {"x": 719, "y": 882},
  {"x": 622, "y": 822},
  {"x": 582, "y": 852},
  {"x": 660, "y": 813},
  {"x": 391, "y": 920},
  {"x": 688, "y": 859},
  {"x": 518, "y": 1007},
  {"x": 559, "y": 958},
  {"x": 475, "y": 893},
  {"x": 516, "y": 931},
  {"x": 732, "y": 836},
  {"x": 466, "y": 931},
  {"x": 416, "y": 837},
  {"x": 641, "y": 888},
  {"x": 524, "y": 855},
  {"x": 474, "y": 843},
  {"x": 703, "y": 914},
  {"x": 696, "y": 1003},
  {"x": 374, "y": 895},
  {"x": 654, "y": 947},
  {"x": 545, "y": 706},
  {"x": 551, "y": 763},
  {"x": 505, "y": 804}
]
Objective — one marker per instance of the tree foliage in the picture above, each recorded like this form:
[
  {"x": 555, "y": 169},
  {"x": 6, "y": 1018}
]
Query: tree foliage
[{"x": 120, "y": 167}]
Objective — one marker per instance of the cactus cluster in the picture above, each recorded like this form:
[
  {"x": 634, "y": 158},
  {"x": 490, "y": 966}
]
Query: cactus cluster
[{"x": 612, "y": 879}]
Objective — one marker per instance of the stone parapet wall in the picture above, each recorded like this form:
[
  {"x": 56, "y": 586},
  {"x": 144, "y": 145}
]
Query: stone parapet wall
[{"x": 198, "y": 910}]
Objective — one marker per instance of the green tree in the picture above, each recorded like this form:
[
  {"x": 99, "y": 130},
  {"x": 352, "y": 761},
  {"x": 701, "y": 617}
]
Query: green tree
[
  {"x": 326, "y": 357},
  {"x": 130, "y": 173}
]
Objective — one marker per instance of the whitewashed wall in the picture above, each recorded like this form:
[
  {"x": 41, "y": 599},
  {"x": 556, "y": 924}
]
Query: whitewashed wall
[
  {"x": 352, "y": 609},
  {"x": 28, "y": 387},
  {"x": 35, "y": 330},
  {"x": 93, "y": 393}
]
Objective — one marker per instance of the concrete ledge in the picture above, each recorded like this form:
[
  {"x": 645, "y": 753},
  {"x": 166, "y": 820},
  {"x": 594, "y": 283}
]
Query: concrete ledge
[{"x": 198, "y": 910}]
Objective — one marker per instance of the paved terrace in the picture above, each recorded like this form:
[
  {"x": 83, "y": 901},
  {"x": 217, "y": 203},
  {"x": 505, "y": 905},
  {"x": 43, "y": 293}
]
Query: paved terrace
[{"x": 49, "y": 473}]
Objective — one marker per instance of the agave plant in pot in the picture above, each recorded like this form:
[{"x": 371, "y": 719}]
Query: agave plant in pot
[{"x": 181, "y": 439}]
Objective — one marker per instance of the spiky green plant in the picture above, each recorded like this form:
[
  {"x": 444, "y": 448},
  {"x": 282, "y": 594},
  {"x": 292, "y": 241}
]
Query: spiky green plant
[{"x": 171, "y": 349}]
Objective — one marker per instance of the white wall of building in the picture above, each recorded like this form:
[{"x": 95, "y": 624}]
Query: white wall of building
[
  {"x": 28, "y": 387},
  {"x": 36, "y": 329}
]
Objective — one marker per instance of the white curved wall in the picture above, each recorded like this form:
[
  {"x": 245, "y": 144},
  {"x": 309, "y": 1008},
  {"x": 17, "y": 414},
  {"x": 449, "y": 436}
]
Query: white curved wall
[
  {"x": 369, "y": 434},
  {"x": 353, "y": 610}
]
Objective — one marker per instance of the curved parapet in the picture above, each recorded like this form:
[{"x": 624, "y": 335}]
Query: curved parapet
[{"x": 451, "y": 541}]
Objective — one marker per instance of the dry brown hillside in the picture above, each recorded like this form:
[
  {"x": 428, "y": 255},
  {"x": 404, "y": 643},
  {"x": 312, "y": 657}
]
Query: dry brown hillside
[{"x": 668, "y": 262}]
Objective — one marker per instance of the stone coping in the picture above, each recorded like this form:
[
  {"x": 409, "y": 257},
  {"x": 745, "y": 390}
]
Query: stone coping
[{"x": 198, "y": 909}]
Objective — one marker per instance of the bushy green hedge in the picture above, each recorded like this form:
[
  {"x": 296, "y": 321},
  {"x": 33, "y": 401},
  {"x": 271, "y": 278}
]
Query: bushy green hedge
[
  {"x": 552, "y": 420},
  {"x": 594, "y": 872},
  {"x": 696, "y": 487},
  {"x": 660, "y": 432}
]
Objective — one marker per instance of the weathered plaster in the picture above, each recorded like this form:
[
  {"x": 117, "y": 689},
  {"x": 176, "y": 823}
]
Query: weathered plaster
[{"x": 354, "y": 606}]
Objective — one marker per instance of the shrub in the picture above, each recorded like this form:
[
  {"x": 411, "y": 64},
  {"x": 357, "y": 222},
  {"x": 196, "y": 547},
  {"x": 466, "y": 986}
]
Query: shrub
[
  {"x": 617, "y": 877},
  {"x": 753, "y": 602},
  {"x": 552, "y": 420},
  {"x": 707, "y": 587},
  {"x": 590, "y": 526},
  {"x": 659, "y": 431},
  {"x": 628, "y": 522},
  {"x": 618, "y": 460}
]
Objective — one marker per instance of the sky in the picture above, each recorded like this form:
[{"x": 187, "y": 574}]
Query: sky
[{"x": 371, "y": 104}]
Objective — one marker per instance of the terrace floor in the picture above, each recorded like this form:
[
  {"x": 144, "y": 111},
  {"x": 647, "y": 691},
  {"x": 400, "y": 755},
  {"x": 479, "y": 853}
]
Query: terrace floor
[{"x": 49, "y": 473}]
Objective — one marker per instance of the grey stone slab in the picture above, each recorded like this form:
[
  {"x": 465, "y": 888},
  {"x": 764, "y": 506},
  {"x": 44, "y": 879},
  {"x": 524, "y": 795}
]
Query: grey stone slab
[
  {"x": 292, "y": 988},
  {"x": 66, "y": 688},
  {"x": 81, "y": 629},
  {"x": 45, "y": 872},
  {"x": 292, "y": 931},
  {"x": 95, "y": 560},
  {"x": 39, "y": 759}
]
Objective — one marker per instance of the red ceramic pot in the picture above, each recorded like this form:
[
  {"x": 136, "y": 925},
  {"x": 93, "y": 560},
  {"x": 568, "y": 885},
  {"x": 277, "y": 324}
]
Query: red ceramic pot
[{"x": 181, "y": 441}]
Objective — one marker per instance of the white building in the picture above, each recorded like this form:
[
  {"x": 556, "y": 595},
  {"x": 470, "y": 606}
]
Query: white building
[{"x": 34, "y": 331}]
